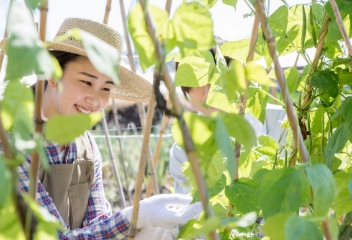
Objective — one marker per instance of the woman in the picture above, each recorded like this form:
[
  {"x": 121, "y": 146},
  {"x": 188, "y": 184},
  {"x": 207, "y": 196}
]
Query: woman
[{"x": 72, "y": 190}]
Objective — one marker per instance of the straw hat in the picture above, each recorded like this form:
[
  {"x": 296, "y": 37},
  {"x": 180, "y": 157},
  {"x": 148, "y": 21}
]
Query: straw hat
[{"x": 132, "y": 86}]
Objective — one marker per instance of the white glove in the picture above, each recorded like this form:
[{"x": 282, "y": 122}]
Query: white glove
[
  {"x": 165, "y": 211},
  {"x": 157, "y": 233}
]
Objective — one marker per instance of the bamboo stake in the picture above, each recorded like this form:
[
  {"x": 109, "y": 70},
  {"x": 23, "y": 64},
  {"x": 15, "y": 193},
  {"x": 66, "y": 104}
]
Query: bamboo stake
[
  {"x": 157, "y": 151},
  {"x": 342, "y": 27},
  {"x": 141, "y": 109},
  {"x": 107, "y": 11},
  {"x": 118, "y": 133},
  {"x": 168, "y": 6},
  {"x": 188, "y": 142},
  {"x": 318, "y": 52},
  {"x": 115, "y": 168},
  {"x": 112, "y": 157},
  {"x": 142, "y": 165},
  {"x": 281, "y": 80},
  {"x": 38, "y": 107}
]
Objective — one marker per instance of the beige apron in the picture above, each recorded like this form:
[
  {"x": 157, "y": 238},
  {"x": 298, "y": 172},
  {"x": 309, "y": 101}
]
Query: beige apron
[{"x": 69, "y": 184}]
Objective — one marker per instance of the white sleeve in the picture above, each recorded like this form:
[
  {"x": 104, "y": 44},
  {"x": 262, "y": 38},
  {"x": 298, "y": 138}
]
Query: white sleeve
[{"x": 177, "y": 158}]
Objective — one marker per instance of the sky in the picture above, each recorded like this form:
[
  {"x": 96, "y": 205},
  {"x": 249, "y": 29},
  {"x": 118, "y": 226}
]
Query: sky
[{"x": 229, "y": 24}]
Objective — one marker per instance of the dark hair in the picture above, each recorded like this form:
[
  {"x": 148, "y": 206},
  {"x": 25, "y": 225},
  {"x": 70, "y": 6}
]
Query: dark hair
[
  {"x": 64, "y": 58},
  {"x": 185, "y": 90}
]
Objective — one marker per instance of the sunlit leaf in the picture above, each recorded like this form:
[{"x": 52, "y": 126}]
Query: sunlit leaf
[
  {"x": 283, "y": 190},
  {"x": 256, "y": 103},
  {"x": 195, "y": 70},
  {"x": 267, "y": 141},
  {"x": 323, "y": 186},
  {"x": 292, "y": 79},
  {"x": 258, "y": 74},
  {"x": 336, "y": 142},
  {"x": 303, "y": 229},
  {"x": 10, "y": 227},
  {"x": 243, "y": 194},
  {"x": 34, "y": 3},
  {"x": 6, "y": 183},
  {"x": 193, "y": 27},
  {"x": 217, "y": 98},
  {"x": 236, "y": 49},
  {"x": 71, "y": 126},
  {"x": 141, "y": 39},
  {"x": 232, "y": 3},
  {"x": 342, "y": 202},
  {"x": 222, "y": 140},
  {"x": 240, "y": 129},
  {"x": 274, "y": 226},
  {"x": 17, "y": 107},
  {"x": 25, "y": 51},
  {"x": 210, "y": 3}
]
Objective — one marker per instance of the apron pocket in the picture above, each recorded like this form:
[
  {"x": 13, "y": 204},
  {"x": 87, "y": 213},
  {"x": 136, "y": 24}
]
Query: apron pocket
[{"x": 78, "y": 208}]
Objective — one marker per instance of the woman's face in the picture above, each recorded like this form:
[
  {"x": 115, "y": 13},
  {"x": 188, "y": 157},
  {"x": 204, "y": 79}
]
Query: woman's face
[
  {"x": 198, "y": 96},
  {"x": 82, "y": 90}
]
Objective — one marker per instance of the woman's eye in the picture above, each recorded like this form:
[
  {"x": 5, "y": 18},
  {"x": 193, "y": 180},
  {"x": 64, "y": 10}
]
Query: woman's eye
[
  {"x": 106, "y": 89},
  {"x": 87, "y": 83}
]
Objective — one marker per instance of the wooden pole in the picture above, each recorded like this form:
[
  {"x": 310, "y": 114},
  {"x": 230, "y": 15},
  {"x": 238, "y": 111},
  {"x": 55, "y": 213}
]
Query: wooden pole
[
  {"x": 140, "y": 106},
  {"x": 113, "y": 160},
  {"x": 158, "y": 148},
  {"x": 281, "y": 80},
  {"x": 342, "y": 27},
  {"x": 118, "y": 133},
  {"x": 107, "y": 11},
  {"x": 188, "y": 142},
  {"x": 168, "y": 6},
  {"x": 141, "y": 168},
  {"x": 38, "y": 120}
]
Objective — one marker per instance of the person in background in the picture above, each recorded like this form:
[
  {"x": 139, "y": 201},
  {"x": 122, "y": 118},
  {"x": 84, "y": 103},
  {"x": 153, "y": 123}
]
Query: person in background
[
  {"x": 72, "y": 190},
  {"x": 275, "y": 114}
]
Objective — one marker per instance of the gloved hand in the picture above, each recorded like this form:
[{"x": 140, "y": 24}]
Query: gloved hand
[
  {"x": 157, "y": 233},
  {"x": 165, "y": 211}
]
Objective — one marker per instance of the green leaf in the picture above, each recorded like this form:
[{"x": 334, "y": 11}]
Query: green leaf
[
  {"x": 10, "y": 227},
  {"x": 283, "y": 190},
  {"x": 24, "y": 50},
  {"x": 342, "y": 5},
  {"x": 274, "y": 226},
  {"x": 6, "y": 183},
  {"x": 232, "y": 3},
  {"x": 292, "y": 79},
  {"x": 258, "y": 176},
  {"x": 217, "y": 98},
  {"x": 350, "y": 187},
  {"x": 266, "y": 140},
  {"x": 64, "y": 129},
  {"x": 210, "y": 3},
  {"x": 35, "y": 3},
  {"x": 256, "y": 103},
  {"x": 257, "y": 73},
  {"x": 300, "y": 228},
  {"x": 222, "y": 140},
  {"x": 342, "y": 202},
  {"x": 141, "y": 39},
  {"x": 236, "y": 49},
  {"x": 336, "y": 142},
  {"x": 325, "y": 80},
  {"x": 243, "y": 194},
  {"x": 240, "y": 129},
  {"x": 345, "y": 109},
  {"x": 323, "y": 186},
  {"x": 193, "y": 27},
  {"x": 17, "y": 108},
  {"x": 103, "y": 56},
  {"x": 39, "y": 147},
  {"x": 195, "y": 70},
  {"x": 278, "y": 21}
]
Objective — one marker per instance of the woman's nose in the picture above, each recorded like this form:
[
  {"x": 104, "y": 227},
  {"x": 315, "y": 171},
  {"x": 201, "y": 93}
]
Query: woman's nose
[{"x": 93, "y": 101}]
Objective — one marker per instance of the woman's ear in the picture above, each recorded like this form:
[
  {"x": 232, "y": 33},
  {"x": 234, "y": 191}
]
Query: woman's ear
[{"x": 52, "y": 82}]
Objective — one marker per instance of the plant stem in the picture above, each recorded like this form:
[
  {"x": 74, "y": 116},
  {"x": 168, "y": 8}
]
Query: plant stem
[
  {"x": 322, "y": 135},
  {"x": 326, "y": 230},
  {"x": 342, "y": 27},
  {"x": 281, "y": 80}
]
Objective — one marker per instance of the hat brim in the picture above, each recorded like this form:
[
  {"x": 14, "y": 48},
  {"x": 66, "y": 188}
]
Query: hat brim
[{"x": 132, "y": 87}]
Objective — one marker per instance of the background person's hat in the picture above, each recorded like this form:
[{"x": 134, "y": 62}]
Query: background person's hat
[{"x": 132, "y": 86}]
